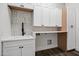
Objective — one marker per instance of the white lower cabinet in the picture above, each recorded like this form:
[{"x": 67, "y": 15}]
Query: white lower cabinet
[{"x": 20, "y": 48}]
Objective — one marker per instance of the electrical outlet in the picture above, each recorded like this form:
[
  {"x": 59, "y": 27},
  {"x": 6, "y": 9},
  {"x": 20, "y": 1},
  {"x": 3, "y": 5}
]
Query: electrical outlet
[
  {"x": 49, "y": 42},
  {"x": 37, "y": 33}
]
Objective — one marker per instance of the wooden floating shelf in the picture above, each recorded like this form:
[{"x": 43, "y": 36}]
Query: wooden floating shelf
[{"x": 20, "y": 8}]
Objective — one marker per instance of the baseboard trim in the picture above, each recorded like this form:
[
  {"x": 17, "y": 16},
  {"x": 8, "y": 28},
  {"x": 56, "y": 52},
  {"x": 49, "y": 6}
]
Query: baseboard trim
[
  {"x": 77, "y": 51},
  {"x": 70, "y": 50},
  {"x": 58, "y": 48},
  {"x": 47, "y": 49}
]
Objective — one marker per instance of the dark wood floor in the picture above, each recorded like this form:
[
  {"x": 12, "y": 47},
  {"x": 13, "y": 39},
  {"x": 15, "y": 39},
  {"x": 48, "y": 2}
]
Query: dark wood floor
[{"x": 56, "y": 52}]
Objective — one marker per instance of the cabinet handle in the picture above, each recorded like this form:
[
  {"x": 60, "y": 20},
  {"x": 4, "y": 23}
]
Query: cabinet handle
[
  {"x": 21, "y": 47},
  {"x": 71, "y": 26}
]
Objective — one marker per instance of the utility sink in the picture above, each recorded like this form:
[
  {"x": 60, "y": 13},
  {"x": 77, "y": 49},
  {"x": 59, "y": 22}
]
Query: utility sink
[{"x": 25, "y": 37}]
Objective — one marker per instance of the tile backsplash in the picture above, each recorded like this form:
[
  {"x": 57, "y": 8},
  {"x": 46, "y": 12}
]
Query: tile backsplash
[{"x": 17, "y": 17}]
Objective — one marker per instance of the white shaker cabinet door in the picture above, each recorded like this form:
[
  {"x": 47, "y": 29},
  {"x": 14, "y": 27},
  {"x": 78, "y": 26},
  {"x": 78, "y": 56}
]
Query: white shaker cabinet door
[
  {"x": 46, "y": 16},
  {"x": 59, "y": 17},
  {"x": 28, "y": 50},
  {"x": 37, "y": 16},
  {"x": 55, "y": 17},
  {"x": 70, "y": 28},
  {"x": 12, "y": 51},
  {"x": 52, "y": 17},
  {"x": 49, "y": 17}
]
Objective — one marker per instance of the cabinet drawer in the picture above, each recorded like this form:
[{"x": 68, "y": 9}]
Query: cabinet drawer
[
  {"x": 28, "y": 42},
  {"x": 12, "y": 43},
  {"x": 18, "y": 43}
]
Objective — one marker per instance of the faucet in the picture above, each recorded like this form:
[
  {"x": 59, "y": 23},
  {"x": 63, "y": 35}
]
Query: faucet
[{"x": 23, "y": 33}]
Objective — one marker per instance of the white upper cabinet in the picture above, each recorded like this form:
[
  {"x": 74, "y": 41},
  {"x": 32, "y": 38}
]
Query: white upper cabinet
[
  {"x": 24, "y": 5},
  {"x": 49, "y": 17}
]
